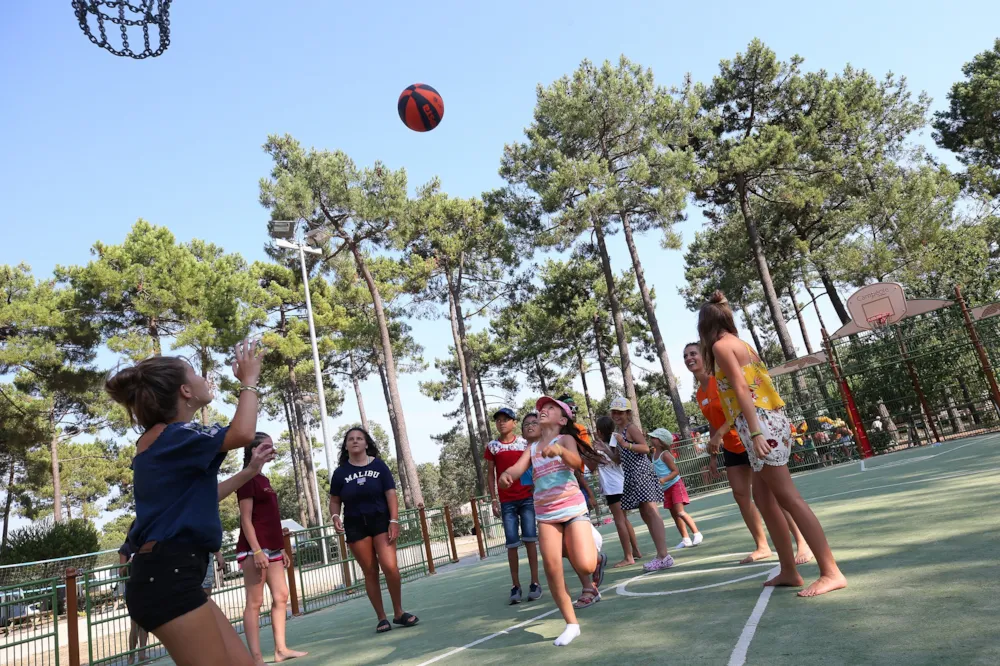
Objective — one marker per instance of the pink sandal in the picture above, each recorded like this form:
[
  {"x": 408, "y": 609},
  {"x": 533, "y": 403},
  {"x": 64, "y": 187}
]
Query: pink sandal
[{"x": 587, "y": 598}]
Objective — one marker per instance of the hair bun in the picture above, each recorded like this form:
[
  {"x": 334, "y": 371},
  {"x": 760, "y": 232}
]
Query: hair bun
[{"x": 718, "y": 297}]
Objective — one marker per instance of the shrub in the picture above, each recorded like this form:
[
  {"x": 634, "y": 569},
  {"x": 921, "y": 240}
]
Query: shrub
[{"x": 46, "y": 540}]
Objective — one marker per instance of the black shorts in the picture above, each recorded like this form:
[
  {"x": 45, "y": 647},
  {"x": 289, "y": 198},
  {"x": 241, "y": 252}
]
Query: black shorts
[
  {"x": 613, "y": 499},
  {"x": 734, "y": 459},
  {"x": 165, "y": 583},
  {"x": 357, "y": 528}
]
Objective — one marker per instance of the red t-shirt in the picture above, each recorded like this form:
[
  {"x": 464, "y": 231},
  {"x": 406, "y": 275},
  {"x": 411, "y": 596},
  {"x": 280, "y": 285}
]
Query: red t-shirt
[
  {"x": 266, "y": 518},
  {"x": 711, "y": 407},
  {"x": 504, "y": 455}
]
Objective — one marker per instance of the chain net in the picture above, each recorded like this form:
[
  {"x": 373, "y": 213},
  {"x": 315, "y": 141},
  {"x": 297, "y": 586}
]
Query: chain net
[{"x": 125, "y": 15}]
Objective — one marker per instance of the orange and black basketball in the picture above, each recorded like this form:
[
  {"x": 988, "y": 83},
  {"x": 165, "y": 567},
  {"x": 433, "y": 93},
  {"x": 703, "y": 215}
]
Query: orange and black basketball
[{"x": 420, "y": 107}]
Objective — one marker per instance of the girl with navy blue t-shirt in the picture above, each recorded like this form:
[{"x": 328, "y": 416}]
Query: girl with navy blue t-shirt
[
  {"x": 175, "y": 482},
  {"x": 363, "y": 485}
]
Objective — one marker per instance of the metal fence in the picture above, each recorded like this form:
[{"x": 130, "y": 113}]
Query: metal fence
[{"x": 29, "y": 624}]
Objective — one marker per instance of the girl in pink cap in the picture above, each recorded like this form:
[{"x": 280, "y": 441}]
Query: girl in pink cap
[{"x": 560, "y": 507}]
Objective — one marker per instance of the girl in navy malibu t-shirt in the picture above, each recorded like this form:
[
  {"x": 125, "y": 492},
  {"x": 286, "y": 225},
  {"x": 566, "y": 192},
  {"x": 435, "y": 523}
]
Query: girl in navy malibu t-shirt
[
  {"x": 363, "y": 485},
  {"x": 177, "y": 501}
]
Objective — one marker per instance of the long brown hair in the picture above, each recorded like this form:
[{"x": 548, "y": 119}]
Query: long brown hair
[
  {"x": 714, "y": 319},
  {"x": 149, "y": 389}
]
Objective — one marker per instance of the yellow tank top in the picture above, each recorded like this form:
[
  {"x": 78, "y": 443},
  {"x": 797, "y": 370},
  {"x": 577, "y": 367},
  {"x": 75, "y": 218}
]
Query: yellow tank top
[{"x": 762, "y": 390}]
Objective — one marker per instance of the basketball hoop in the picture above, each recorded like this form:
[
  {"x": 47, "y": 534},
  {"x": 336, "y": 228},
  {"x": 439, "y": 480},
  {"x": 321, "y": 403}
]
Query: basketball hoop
[
  {"x": 126, "y": 15},
  {"x": 879, "y": 320}
]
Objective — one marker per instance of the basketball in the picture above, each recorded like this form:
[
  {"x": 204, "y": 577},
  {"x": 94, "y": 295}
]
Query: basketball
[{"x": 420, "y": 107}]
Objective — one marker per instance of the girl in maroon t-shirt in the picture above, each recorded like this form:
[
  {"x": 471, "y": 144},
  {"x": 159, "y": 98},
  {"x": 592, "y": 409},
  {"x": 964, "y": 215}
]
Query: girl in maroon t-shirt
[{"x": 260, "y": 551}]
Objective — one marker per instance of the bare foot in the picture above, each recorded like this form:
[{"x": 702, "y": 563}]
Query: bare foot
[
  {"x": 286, "y": 654},
  {"x": 759, "y": 554},
  {"x": 624, "y": 563},
  {"x": 824, "y": 584},
  {"x": 638, "y": 556},
  {"x": 783, "y": 579},
  {"x": 803, "y": 554}
]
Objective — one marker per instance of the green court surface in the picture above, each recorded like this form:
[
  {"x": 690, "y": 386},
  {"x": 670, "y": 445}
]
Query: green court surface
[{"x": 917, "y": 534}]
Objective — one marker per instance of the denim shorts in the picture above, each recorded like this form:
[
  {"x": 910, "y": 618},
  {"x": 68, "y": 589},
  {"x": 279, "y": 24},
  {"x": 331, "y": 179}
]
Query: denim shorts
[{"x": 523, "y": 512}]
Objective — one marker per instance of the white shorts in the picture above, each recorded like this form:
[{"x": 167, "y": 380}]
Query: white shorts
[{"x": 776, "y": 428}]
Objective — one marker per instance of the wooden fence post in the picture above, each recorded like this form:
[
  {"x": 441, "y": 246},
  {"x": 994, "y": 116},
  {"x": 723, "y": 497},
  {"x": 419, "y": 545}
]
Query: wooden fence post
[
  {"x": 478, "y": 527},
  {"x": 451, "y": 533},
  {"x": 346, "y": 566},
  {"x": 427, "y": 538},
  {"x": 293, "y": 591},
  {"x": 72, "y": 618}
]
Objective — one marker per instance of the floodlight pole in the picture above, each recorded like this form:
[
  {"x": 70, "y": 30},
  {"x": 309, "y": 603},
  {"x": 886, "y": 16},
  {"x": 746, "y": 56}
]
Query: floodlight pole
[{"x": 302, "y": 249}]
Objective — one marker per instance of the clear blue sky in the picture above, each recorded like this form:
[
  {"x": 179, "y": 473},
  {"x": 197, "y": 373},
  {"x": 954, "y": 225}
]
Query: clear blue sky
[{"x": 93, "y": 142}]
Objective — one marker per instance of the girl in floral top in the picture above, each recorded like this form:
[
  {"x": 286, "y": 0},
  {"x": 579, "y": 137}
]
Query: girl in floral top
[{"x": 754, "y": 407}]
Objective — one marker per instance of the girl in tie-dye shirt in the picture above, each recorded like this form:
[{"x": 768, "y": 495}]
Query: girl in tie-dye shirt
[{"x": 561, "y": 509}]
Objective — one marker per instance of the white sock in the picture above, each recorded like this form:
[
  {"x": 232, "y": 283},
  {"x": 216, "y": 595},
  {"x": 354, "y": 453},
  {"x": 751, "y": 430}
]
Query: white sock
[
  {"x": 569, "y": 633},
  {"x": 598, "y": 538}
]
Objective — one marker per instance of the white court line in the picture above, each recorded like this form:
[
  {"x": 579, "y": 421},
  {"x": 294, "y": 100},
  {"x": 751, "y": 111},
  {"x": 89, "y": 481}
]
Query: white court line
[
  {"x": 487, "y": 638},
  {"x": 739, "y": 655},
  {"x": 942, "y": 477},
  {"x": 625, "y": 593}
]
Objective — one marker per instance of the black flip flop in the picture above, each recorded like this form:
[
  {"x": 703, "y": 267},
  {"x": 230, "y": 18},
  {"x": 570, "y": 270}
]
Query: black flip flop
[
  {"x": 406, "y": 620},
  {"x": 383, "y": 627}
]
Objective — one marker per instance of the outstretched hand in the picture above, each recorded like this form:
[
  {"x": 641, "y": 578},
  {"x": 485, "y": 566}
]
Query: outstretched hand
[
  {"x": 505, "y": 481},
  {"x": 247, "y": 358}
]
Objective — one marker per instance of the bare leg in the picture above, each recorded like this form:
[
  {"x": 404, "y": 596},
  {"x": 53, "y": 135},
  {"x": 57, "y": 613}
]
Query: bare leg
[
  {"x": 633, "y": 539},
  {"x": 679, "y": 521},
  {"x": 739, "y": 480},
  {"x": 512, "y": 562},
  {"x": 393, "y": 581},
  {"x": 532, "y": 549},
  {"x": 279, "y": 603},
  {"x": 654, "y": 524},
  {"x": 254, "y": 584},
  {"x": 203, "y": 637},
  {"x": 778, "y": 529},
  {"x": 686, "y": 517},
  {"x": 787, "y": 495},
  {"x": 143, "y": 640},
  {"x": 803, "y": 553},
  {"x": 364, "y": 552},
  {"x": 622, "y": 525},
  {"x": 133, "y": 638},
  {"x": 550, "y": 540}
]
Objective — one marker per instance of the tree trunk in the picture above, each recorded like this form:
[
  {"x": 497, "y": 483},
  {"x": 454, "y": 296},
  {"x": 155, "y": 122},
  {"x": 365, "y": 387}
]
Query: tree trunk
[
  {"x": 154, "y": 335},
  {"x": 305, "y": 450},
  {"x": 469, "y": 369},
  {"x": 404, "y": 479},
  {"x": 463, "y": 372},
  {"x": 482, "y": 398},
  {"x": 812, "y": 297},
  {"x": 297, "y": 473},
  {"x": 7, "y": 505},
  {"x": 601, "y": 360},
  {"x": 205, "y": 361},
  {"x": 56, "y": 485},
  {"x": 586, "y": 390},
  {"x": 798, "y": 318},
  {"x": 956, "y": 418},
  {"x": 654, "y": 328},
  {"x": 973, "y": 410},
  {"x": 540, "y": 372},
  {"x": 831, "y": 291},
  {"x": 616, "y": 313},
  {"x": 753, "y": 329},
  {"x": 357, "y": 394},
  {"x": 69, "y": 509},
  {"x": 403, "y": 442}
]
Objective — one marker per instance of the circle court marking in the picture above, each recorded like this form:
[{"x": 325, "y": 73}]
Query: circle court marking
[{"x": 621, "y": 587}]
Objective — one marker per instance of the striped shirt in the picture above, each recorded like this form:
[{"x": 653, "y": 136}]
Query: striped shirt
[{"x": 558, "y": 497}]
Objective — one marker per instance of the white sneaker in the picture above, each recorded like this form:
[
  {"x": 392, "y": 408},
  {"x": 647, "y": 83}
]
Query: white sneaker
[
  {"x": 685, "y": 543},
  {"x": 698, "y": 538}
]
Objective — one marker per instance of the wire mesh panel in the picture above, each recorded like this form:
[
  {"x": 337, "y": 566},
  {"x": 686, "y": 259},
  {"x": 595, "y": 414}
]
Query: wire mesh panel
[
  {"x": 437, "y": 531},
  {"x": 111, "y": 634},
  {"x": 29, "y": 624},
  {"x": 494, "y": 540},
  {"x": 693, "y": 460}
]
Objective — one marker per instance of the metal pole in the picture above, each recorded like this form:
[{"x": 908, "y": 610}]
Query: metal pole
[
  {"x": 319, "y": 383},
  {"x": 984, "y": 359}
]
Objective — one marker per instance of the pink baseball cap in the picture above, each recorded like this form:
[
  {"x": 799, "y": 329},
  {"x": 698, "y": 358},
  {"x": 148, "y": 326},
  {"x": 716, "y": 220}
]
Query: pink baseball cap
[{"x": 546, "y": 400}]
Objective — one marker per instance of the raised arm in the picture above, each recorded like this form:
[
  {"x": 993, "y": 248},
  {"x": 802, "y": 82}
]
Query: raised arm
[
  {"x": 565, "y": 448},
  {"x": 247, "y": 357},
  {"x": 261, "y": 455}
]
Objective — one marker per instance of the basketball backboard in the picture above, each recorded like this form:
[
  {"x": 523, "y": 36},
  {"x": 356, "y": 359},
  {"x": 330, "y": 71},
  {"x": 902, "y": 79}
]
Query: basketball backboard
[{"x": 877, "y": 304}]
